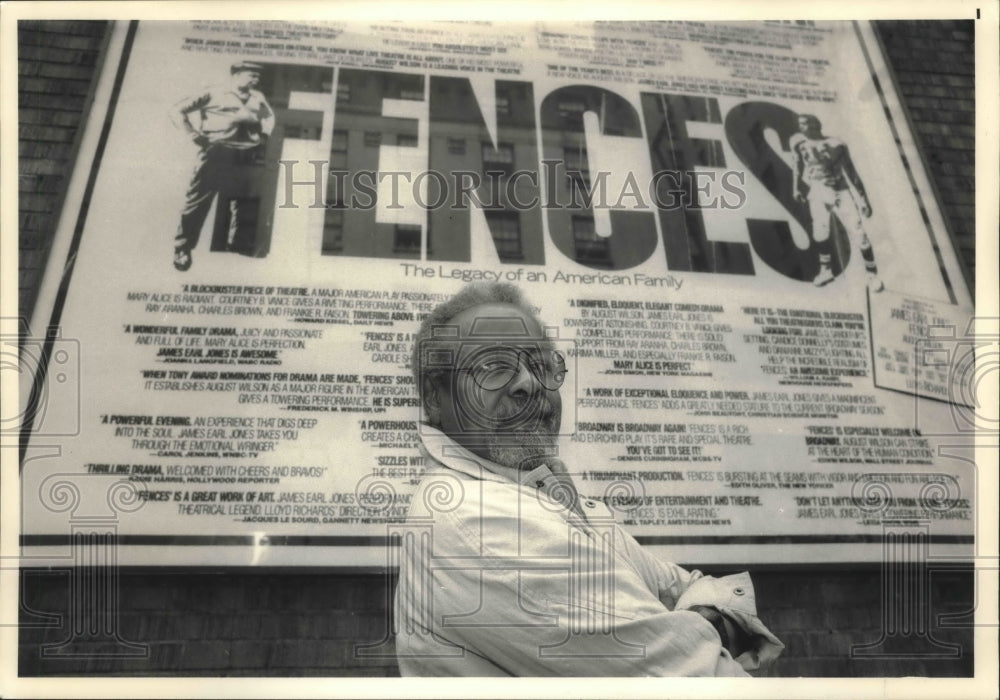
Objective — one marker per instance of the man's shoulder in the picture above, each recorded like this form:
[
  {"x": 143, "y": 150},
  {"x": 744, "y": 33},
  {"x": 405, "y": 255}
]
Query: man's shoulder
[
  {"x": 477, "y": 517},
  {"x": 214, "y": 90},
  {"x": 203, "y": 95},
  {"x": 257, "y": 96},
  {"x": 444, "y": 490}
]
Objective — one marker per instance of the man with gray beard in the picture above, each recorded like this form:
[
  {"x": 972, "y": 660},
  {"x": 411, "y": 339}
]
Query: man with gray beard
[{"x": 504, "y": 568}]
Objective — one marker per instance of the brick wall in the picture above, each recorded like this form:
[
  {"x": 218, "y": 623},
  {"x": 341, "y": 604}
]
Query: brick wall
[
  {"x": 934, "y": 66},
  {"x": 56, "y": 66},
  {"x": 292, "y": 623},
  {"x": 278, "y": 623}
]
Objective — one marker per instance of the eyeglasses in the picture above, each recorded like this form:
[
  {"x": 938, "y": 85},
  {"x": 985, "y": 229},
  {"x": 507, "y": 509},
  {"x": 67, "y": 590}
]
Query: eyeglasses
[{"x": 494, "y": 367}]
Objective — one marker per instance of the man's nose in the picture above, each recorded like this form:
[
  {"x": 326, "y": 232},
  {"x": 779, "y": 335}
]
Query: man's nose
[{"x": 524, "y": 382}]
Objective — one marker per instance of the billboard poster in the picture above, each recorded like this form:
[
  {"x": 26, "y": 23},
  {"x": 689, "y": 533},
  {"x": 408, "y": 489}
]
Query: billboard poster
[{"x": 726, "y": 225}]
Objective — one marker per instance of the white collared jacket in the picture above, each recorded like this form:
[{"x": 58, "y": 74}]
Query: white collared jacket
[{"x": 505, "y": 573}]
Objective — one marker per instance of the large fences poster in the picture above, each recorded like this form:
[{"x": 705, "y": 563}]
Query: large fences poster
[{"x": 725, "y": 224}]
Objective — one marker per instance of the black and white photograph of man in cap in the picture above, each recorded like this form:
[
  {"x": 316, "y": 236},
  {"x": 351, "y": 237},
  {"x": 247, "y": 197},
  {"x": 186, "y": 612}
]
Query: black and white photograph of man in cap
[{"x": 230, "y": 125}]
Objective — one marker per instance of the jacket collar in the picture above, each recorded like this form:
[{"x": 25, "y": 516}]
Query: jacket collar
[{"x": 442, "y": 449}]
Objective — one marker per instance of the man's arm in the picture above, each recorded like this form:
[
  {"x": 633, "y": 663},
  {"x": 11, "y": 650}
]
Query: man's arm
[
  {"x": 180, "y": 111},
  {"x": 851, "y": 173},
  {"x": 797, "y": 193},
  {"x": 733, "y": 598},
  {"x": 540, "y": 623},
  {"x": 266, "y": 115}
]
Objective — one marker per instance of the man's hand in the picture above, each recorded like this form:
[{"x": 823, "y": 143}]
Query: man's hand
[{"x": 734, "y": 639}]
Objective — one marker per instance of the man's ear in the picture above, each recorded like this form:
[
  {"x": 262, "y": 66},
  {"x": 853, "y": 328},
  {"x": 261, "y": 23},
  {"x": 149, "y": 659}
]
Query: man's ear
[{"x": 432, "y": 401}]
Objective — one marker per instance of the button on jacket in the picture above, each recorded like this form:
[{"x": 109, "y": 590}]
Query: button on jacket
[{"x": 508, "y": 573}]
